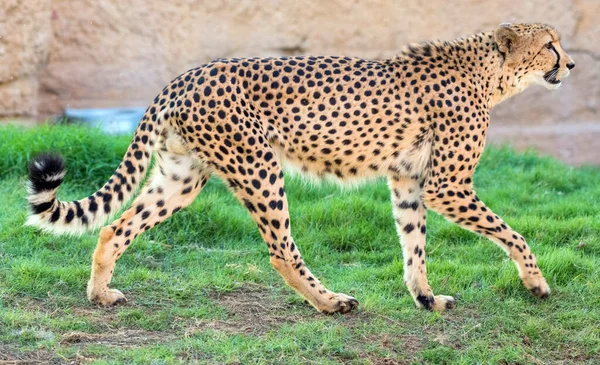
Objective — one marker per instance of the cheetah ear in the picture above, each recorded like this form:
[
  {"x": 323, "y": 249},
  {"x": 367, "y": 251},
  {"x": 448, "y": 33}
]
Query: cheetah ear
[{"x": 505, "y": 37}]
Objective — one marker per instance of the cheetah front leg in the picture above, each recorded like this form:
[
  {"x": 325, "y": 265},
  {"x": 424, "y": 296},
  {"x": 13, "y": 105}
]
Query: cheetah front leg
[
  {"x": 409, "y": 213},
  {"x": 460, "y": 204},
  {"x": 264, "y": 197}
]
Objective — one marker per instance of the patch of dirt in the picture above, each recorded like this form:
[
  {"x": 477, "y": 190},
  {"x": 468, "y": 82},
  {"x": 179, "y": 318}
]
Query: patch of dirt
[
  {"x": 125, "y": 338},
  {"x": 12, "y": 356},
  {"x": 251, "y": 311},
  {"x": 52, "y": 307},
  {"x": 122, "y": 338},
  {"x": 378, "y": 360},
  {"x": 256, "y": 311},
  {"x": 399, "y": 347}
]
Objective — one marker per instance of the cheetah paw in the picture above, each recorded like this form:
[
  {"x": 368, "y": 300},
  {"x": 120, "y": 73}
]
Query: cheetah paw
[
  {"x": 437, "y": 303},
  {"x": 108, "y": 298},
  {"x": 537, "y": 286},
  {"x": 338, "y": 303}
]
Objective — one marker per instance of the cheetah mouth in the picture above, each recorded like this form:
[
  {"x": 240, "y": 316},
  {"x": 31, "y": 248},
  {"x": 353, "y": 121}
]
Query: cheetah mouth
[{"x": 550, "y": 77}]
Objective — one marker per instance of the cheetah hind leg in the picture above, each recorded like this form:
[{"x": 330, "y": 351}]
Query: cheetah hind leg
[{"x": 177, "y": 179}]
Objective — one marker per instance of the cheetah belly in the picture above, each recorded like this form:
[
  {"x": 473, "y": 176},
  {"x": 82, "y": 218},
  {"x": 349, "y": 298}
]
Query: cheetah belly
[{"x": 410, "y": 161}]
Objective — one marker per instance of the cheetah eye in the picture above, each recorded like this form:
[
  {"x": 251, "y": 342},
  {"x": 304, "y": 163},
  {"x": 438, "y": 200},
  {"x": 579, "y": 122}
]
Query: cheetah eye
[{"x": 548, "y": 45}]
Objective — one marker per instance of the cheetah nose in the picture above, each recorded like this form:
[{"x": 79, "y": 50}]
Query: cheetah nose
[{"x": 570, "y": 65}]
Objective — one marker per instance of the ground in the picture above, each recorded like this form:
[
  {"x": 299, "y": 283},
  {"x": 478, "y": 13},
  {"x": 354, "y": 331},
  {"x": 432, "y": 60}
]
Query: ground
[{"x": 201, "y": 288}]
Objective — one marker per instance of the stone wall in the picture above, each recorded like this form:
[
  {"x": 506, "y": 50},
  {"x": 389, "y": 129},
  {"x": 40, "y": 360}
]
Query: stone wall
[
  {"x": 100, "y": 53},
  {"x": 25, "y": 38}
]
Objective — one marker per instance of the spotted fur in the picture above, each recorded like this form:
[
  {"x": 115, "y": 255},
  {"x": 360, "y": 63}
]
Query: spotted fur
[{"x": 419, "y": 119}]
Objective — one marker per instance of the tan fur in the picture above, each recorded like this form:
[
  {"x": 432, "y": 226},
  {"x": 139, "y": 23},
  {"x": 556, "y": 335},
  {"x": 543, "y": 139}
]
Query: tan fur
[{"x": 418, "y": 119}]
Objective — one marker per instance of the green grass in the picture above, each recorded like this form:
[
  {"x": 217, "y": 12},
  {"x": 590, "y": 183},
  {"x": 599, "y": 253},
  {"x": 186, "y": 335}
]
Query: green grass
[{"x": 201, "y": 289}]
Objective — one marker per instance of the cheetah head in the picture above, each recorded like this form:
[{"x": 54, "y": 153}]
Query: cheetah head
[{"x": 532, "y": 55}]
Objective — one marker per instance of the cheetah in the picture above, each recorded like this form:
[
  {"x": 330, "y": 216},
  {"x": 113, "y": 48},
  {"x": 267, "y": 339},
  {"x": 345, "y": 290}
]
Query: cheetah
[{"x": 419, "y": 119}]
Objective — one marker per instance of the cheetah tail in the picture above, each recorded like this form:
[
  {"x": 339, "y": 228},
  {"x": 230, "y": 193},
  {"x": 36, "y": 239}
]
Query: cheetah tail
[{"x": 46, "y": 173}]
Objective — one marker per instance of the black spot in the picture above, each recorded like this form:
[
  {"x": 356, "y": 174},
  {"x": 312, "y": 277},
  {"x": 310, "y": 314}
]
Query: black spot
[
  {"x": 55, "y": 215},
  {"x": 70, "y": 216},
  {"x": 93, "y": 205},
  {"x": 130, "y": 167},
  {"x": 139, "y": 208},
  {"x": 406, "y": 205},
  {"x": 42, "y": 207},
  {"x": 106, "y": 197},
  {"x": 426, "y": 301},
  {"x": 78, "y": 209}
]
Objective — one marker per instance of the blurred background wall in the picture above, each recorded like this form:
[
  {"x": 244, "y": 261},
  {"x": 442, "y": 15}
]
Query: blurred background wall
[{"x": 108, "y": 53}]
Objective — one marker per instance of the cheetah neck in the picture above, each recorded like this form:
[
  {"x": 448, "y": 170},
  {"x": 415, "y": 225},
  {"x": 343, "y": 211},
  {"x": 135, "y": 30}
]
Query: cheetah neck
[
  {"x": 500, "y": 78},
  {"x": 488, "y": 68},
  {"x": 475, "y": 58}
]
